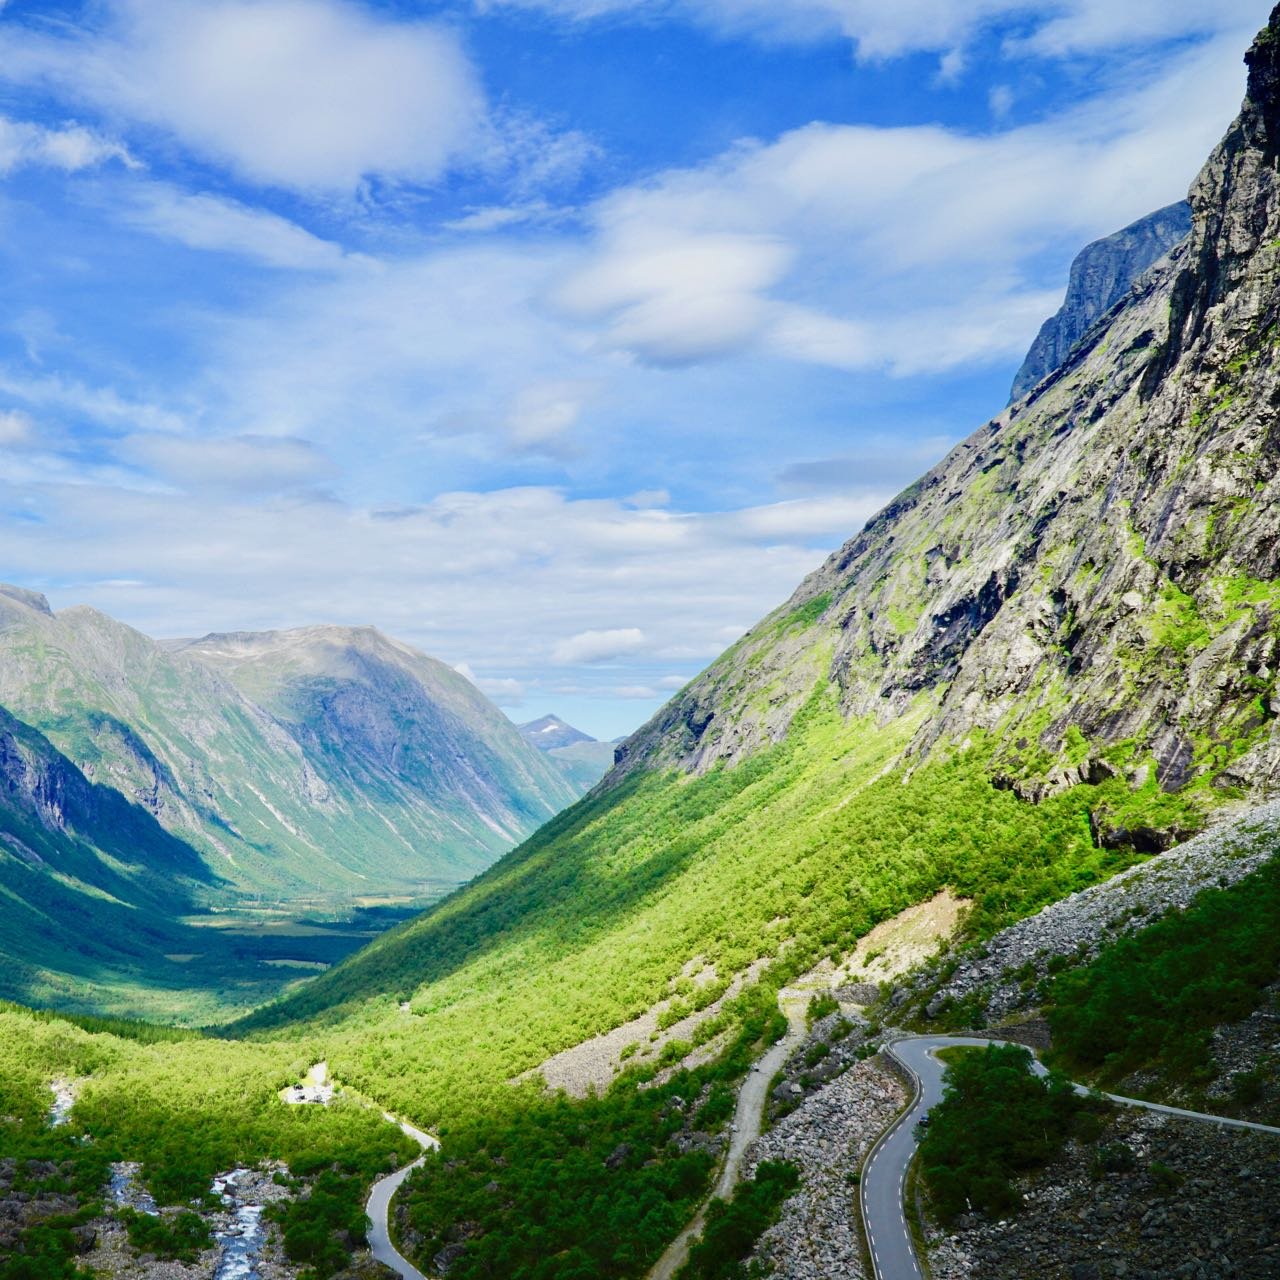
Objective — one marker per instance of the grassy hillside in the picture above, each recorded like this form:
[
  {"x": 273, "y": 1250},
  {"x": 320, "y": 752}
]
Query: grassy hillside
[
  {"x": 787, "y": 857},
  {"x": 1049, "y": 656},
  {"x": 1052, "y": 654},
  {"x": 182, "y": 826}
]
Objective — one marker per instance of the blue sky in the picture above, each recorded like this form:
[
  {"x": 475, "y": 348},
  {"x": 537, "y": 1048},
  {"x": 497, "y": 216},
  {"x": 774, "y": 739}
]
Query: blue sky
[{"x": 558, "y": 337}]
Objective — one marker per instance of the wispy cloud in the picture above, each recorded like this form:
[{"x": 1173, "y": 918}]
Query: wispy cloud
[
  {"x": 222, "y": 225},
  {"x": 69, "y": 148},
  {"x": 883, "y": 29}
]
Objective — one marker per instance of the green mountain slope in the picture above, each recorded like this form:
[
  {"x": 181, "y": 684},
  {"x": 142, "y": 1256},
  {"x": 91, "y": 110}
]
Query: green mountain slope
[
  {"x": 92, "y": 892},
  {"x": 324, "y": 761},
  {"x": 1049, "y": 657}
]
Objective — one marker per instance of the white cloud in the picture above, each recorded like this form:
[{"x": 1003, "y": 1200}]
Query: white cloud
[
  {"x": 878, "y": 463},
  {"x": 496, "y": 217},
  {"x": 315, "y": 95},
  {"x": 804, "y": 518},
  {"x": 891, "y": 28},
  {"x": 670, "y": 297},
  {"x": 1001, "y": 99},
  {"x": 911, "y": 250},
  {"x": 221, "y": 225},
  {"x": 557, "y": 572},
  {"x": 69, "y": 148},
  {"x": 242, "y": 465},
  {"x": 505, "y": 691},
  {"x": 1091, "y": 25},
  {"x": 542, "y": 415},
  {"x": 102, "y": 405},
  {"x": 903, "y": 249},
  {"x": 598, "y": 646}
]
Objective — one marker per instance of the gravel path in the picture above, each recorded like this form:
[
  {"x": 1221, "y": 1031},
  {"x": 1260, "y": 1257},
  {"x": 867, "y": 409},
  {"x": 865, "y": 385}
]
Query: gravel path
[{"x": 746, "y": 1129}]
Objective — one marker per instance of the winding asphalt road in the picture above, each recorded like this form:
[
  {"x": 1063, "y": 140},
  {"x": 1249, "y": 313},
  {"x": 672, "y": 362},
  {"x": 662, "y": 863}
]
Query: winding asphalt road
[
  {"x": 884, "y": 1175},
  {"x": 379, "y": 1205}
]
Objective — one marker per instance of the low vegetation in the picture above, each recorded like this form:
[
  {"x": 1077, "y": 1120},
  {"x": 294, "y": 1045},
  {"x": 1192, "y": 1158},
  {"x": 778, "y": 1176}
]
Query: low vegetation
[
  {"x": 183, "y": 1237},
  {"x": 787, "y": 858},
  {"x": 735, "y": 1226},
  {"x": 1153, "y": 999},
  {"x": 996, "y": 1120}
]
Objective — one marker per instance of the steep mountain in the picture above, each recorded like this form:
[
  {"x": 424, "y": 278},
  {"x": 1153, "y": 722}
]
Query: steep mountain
[
  {"x": 1101, "y": 275},
  {"x": 581, "y": 758},
  {"x": 84, "y": 873},
  {"x": 1052, "y": 655},
  {"x": 1048, "y": 657},
  {"x": 1088, "y": 584},
  {"x": 297, "y": 763}
]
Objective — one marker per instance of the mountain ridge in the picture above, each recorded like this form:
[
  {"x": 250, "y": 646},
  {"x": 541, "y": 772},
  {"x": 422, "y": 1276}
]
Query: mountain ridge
[
  {"x": 1101, "y": 274},
  {"x": 264, "y": 749},
  {"x": 313, "y": 766}
]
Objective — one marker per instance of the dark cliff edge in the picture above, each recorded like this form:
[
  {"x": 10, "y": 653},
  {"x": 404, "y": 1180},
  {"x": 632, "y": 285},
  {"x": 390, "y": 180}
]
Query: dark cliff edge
[{"x": 1101, "y": 275}]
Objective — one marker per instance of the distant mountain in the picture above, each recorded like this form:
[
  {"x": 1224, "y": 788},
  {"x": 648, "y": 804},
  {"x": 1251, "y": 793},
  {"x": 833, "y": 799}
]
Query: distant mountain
[
  {"x": 311, "y": 762},
  {"x": 1101, "y": 275},
  {"x": 581, "y": 758},
  {"x": 550, "y": 732}
]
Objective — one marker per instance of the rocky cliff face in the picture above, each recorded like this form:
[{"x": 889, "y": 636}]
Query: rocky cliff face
[
  {"x": 1089, "y": 583},
  {"x": 1101, "y": 275},
  {"x": 316, "y": 761}
]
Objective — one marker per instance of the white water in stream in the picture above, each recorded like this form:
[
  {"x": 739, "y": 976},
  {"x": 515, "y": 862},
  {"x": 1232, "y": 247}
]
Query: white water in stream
[{"x": 240, "y": 1243}]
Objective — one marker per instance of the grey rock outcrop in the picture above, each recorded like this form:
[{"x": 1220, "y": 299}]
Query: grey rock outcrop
[
  {"x": 1102, "y": 273},
  {"x": 1154, "y": 1198},
  {"x": 817, "y": 1235}
]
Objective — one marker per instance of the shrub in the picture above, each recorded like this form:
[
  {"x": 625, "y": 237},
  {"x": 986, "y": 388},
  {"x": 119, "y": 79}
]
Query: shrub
[
  {"x": 734, "y": 1226},
  {"x": 996, "y": 1118}
]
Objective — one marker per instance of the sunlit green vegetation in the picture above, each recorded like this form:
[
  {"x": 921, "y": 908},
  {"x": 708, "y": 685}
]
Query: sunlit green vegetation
[
  {"x": 787, "y": 858},
  {"x": 996, "y": 1119},
  {"x": 187, "y": 1110},
  {"x": 184, "y": 1236},
  {"x": 555, "y": 1188},
  {"x": 321, "y": 1228}
]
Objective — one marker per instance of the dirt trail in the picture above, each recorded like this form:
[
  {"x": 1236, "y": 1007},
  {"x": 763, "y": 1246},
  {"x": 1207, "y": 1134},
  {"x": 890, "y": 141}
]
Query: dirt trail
[{"x": 746, "y": 1127}]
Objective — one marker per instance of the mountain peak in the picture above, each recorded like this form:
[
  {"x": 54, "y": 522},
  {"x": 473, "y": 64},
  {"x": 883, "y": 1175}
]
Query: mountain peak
[
  {"x": 1263, "y": 61},
  {"x": 550, "y": 732},
  {"x": 1102, "y": 273},
  {"x": 31, "y": 599}
]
